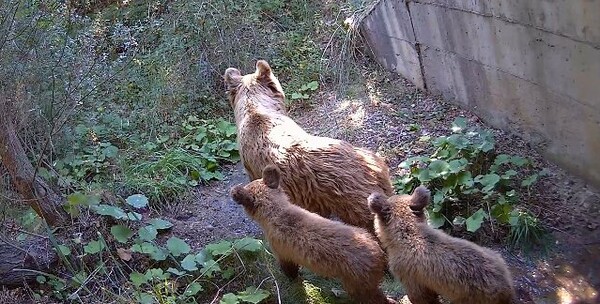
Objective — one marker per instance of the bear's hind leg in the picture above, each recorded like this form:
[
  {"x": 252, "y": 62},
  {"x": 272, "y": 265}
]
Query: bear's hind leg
[
  {"x": 364, "y": 294},
  {"x": 290, "y": 269},
  {"x": 421, "y": 295}
]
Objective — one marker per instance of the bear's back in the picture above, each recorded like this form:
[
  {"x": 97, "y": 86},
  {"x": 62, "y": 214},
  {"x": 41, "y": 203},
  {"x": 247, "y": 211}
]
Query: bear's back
[
  {"x": 478, "y": 270},
  {"x": 327, "y": 247}
]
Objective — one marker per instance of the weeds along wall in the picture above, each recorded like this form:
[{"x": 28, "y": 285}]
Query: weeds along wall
[{"x": 531, "y": 67}]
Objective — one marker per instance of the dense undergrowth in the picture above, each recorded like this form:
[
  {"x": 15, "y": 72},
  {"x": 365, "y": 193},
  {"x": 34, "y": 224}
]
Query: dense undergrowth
[{"x": 121, "y": 107}]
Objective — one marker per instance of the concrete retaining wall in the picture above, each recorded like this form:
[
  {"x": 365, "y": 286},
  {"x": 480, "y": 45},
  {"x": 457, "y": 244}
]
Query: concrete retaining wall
[{"x": 528, "y": 66}]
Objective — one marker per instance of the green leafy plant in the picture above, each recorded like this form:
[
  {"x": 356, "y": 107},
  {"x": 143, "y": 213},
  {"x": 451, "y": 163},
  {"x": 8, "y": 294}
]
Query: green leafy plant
[
  {"x": 471, "y": 184},
  {"x": 178, "y": 275},
  {"x": 305, "y": 90}
]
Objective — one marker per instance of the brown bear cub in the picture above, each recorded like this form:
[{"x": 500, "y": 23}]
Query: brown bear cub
[
  {"x": 320, "y": 174},
  {"x": 326, "y": 247},
  {"x": 431, "y": 263}
]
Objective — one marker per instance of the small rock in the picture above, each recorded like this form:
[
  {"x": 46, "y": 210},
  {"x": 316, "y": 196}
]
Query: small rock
[{"x": 592, "y": 226}]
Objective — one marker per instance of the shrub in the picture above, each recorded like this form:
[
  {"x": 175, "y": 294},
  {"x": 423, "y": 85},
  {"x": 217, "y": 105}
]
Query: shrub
[{"x": 472, "y": 184}]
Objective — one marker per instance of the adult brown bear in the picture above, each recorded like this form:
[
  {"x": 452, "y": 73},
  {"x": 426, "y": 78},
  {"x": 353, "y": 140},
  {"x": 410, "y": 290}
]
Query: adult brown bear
[
  {"x": 323, "y": 175},
  {"x": 326, "y": 247}
]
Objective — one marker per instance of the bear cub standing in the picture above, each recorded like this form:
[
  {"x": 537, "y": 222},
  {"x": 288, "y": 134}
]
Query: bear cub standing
[
  {"x": 326, "y": 247},
  {"x": 431, "y": 263}
]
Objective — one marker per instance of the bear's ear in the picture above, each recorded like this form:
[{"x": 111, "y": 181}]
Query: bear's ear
[
  {"x": 232, "y": 78},
  {"x": 263, "y": 70},
  {"x": 271, "y": 176},
  {"x": 379, "y": 205},
  {"x": 419, "y": 198},
  {"x": 264, "y": 75},
  {"x": 242, "y": 196}
]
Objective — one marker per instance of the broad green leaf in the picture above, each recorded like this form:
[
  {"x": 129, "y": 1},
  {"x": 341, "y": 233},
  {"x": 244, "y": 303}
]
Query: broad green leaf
[
  {"x": 459, "y": 124},
  {"x": 508, "y": 174},
  {"x": 209, "y": 267},
  {"x": 502, "y": 159},
  {"x": 529, "y": 181},
  {"x": 110, "y": 151},
  {"x": 94, "y": 247},
  {"x": 519, "y": 161},
  {"x": 144, "y": 247},
  {"x": 121, "y": 233},
  {"x": 226, "y": 128},
  {"x": 253, "y": 295},
  {"x": 424, "y": 175},
  {"x": 465, "y": 179},
  {"x": 438, "y": 168},
  {"x": 475, "y": 220},
  {"x": 228, "y": 273},
  {"x": 221, "y": 248},
  {"x": 137, "y": 201},
  {"x": 229, "y": 298},
  {"x": 436, "y": 220},
  {"x": 80, "y": 278},
  {"x": 145, "y": 298},
  {"x": 108, "y": 210},
  {"x": 438, "y": 198},
  {"x": 501, "y": 212},
  {"x": 248, "y": 244},
  {"x": 147, "y": 233},
  {"x": 313, "y": 85},
  {"x": 134, "y": 216},
  {"x": 176, "y": 272},
  {"x": 203, "y": 256},
  {"x": 189, "y": 263},
  {"x": 192, "y": 289},
  {"x": 457, "y": 165},
  {"x": 64, "y": 250},
  {"x": 40, "y": 279},
  {"x": 159, "y": 254},
  {"x": 486, "y": 146},
  {"x": 488, "y": 181},
  {"x": 156, "y": 273},
  {"x": 177, "y": 246},
  {"x": 160, "y": 224},
  {"x": 137, "y": 279},
  {"x": 78, "y": 198}
]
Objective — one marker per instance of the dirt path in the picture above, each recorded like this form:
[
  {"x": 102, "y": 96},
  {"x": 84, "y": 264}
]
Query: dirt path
[{"x": 388, "y": 115}]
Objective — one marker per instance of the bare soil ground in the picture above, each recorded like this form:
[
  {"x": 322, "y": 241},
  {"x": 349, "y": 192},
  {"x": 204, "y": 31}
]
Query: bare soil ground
[{"x": 387, "y": 114}]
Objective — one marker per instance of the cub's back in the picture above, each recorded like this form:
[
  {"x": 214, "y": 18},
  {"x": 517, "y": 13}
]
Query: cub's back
[{"x": 327, "y": 247}]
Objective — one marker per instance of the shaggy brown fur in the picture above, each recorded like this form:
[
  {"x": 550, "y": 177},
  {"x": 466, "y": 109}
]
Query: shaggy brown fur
[
  {"x": 431, "y": 263},
  {"x": 326, "y": 247},
  {"x": 323, "y": 175}
]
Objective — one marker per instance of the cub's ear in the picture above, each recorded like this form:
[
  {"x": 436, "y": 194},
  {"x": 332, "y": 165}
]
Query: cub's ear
[
  {"x": 419, "y": 198},
  {"x": 379, "y": 205},
  {"x": 242, "y": 196},
  {"x": 271, "y": 176}
]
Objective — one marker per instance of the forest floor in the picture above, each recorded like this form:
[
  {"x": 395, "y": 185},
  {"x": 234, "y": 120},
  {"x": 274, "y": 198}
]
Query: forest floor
[{"x": 377, "y": 114}]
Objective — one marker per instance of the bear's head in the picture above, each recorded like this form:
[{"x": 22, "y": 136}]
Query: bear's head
[
  {"x": 260, "y": 87},
  {"x": 262, "y": 195},
  {"x": 400, "y": 209}
]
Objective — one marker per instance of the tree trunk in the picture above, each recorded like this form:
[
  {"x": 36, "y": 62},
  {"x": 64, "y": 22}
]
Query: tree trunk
[
  {"x": 19, "y": 263},
  {"x": 34, "y": 190}
]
